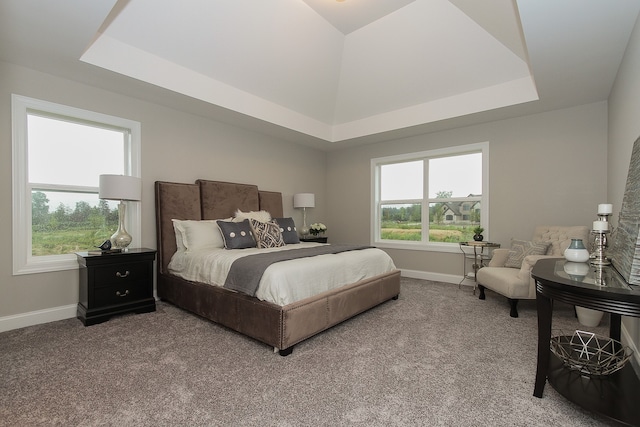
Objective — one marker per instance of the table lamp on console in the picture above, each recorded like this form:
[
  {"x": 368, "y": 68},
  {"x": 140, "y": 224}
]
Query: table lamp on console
[{"x": 123, "y": 188}]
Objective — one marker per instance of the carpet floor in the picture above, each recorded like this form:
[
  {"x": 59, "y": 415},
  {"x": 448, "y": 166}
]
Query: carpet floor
[{"x": 437, "y": 356}]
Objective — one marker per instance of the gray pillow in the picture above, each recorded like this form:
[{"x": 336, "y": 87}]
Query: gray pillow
[
  {"x": 237, "y": 235},
  {"x": 288, "y": 230},
  {"x": 521, "y": 248}
]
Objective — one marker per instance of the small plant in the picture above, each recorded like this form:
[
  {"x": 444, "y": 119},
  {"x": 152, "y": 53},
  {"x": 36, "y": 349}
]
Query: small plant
[{"x": 478, "y": 230}]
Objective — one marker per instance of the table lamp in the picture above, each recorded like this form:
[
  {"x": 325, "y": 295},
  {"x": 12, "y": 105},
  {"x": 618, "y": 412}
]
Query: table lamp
[
  {"x": 122, "y": 188},
  {"x": 304, "y": 201}
]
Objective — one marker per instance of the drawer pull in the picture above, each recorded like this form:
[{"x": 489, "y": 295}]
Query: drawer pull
[
  {"x": 126, "y": 273},
  {"x": 118, "y": 293}
]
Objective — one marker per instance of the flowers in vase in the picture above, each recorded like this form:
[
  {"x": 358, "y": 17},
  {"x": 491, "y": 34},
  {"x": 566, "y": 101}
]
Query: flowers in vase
[{"x": 317, "y": 228}]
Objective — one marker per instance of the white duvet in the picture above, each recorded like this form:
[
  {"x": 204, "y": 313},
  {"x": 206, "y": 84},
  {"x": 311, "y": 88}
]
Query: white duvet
[{"x": 287, "y": 281}]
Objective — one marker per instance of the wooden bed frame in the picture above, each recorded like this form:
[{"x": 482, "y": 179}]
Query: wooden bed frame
[{"x": 279, "y": 327}]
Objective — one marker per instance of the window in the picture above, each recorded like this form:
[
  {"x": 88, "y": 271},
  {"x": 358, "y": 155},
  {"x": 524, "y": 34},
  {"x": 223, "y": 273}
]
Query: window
[
  {"x": 58, "y": 154},
  {"x": 430, "y": 200}
]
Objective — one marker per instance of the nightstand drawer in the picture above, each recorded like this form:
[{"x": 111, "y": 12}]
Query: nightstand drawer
[
  {"x": 120, "y": 294},
  {"x": 120, "y": 275}
]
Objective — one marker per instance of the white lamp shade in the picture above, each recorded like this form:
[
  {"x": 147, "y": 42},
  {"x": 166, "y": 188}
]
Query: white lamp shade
[
  {"x": 120, "y": 187},
  {"x": 304, "y": 200}
]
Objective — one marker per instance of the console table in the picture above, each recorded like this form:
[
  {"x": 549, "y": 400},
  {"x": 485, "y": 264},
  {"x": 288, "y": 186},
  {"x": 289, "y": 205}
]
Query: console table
[{"x": 614, "y": 396}]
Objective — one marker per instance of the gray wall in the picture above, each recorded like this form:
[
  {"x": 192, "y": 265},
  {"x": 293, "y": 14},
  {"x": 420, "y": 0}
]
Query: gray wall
[
  {"x": 545, "y": 169},
  {"x": 175, "y": 147},
  {"x": 624, "y": 129}
]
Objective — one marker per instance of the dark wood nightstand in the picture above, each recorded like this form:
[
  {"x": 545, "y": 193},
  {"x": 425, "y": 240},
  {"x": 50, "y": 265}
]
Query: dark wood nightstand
[
  {"x": 314, "y": 239},
  {"x": 116, "y": 283}
]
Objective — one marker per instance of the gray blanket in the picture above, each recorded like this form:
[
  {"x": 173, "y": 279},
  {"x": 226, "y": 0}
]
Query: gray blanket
[{"x": 246, "y": 272}]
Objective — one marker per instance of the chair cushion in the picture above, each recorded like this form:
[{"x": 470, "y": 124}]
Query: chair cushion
[
  {"x": 521, "y": 248},
  {"x": 504, "y": 281}
]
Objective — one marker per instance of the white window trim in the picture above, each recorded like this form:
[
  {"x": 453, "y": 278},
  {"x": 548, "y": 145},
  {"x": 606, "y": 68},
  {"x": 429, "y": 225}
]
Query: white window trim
[
  {"x": 23, "y": 261},
  {"x": 426, "y": 246}
]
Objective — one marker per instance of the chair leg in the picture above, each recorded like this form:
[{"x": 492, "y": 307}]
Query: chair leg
[
  {"x": 481, "y": 289},
  {"x": 514, "y": 307}
]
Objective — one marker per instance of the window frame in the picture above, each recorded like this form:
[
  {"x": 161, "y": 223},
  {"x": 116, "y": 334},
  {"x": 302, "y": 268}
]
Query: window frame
[
  {"x": 375, "y": 213},
  {"x": 23, "y": 260}
]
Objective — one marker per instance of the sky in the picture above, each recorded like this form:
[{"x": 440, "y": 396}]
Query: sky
[
  {"x": 58, "y": 152},
  {"x": 460, "y": 174}
]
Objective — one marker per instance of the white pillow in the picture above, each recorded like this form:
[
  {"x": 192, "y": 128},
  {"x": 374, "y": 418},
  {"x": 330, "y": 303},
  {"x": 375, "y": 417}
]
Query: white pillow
[
  {"x": 262, "y": 216},
  {"x": 197, "y": 235},
  {"x": 179, "y": 241}
]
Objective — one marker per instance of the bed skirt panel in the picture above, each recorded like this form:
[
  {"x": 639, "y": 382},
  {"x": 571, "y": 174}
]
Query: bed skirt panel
[{"x": 280, "y": 327}]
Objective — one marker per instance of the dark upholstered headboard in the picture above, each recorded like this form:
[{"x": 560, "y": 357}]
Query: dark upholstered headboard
[{"x": 204, "y": 200}]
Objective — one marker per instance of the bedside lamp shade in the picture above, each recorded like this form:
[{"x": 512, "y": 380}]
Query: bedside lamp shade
[
  {"x": 304, "y": 201},
  {"x": 120, "y": 187}
]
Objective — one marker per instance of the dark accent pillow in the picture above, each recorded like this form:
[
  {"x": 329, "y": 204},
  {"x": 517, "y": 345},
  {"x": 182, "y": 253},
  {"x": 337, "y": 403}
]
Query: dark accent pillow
[
  {"x": 237, "y": 235},
  {"x": 288, "y": 230},
  {"x": 267, "y": 234},
  {"x": 520, "y": 249}
]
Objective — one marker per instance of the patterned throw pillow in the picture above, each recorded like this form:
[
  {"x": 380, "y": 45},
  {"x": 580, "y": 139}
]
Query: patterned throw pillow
[
  {"x": 288, "y": 230},
  {"x": 520, "y": 249},
  {"x": 267, "y": 234},
  {"x": 237, "y": 235}
]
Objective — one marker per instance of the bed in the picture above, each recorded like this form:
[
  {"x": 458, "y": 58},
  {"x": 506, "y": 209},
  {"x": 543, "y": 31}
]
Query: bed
[{"x": 279, "y": 326}]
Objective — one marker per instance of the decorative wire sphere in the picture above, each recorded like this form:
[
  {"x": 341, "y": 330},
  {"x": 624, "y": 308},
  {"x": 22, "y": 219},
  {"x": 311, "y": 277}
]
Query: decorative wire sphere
[{"x": 590, "y": 354}]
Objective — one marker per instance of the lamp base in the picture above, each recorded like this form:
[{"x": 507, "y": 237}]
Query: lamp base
[{"x": 121, "y": 239}]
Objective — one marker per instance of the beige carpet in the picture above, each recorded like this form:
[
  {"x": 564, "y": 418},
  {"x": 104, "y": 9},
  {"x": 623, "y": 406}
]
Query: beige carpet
[{"x": 437, "y": 356}]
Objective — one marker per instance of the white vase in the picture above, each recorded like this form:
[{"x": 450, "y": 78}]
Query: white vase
[
  {"x": 576, "y": 252},
  {"x": 589, "y": 317}
]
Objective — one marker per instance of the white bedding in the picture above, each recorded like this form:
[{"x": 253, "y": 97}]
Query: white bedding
[{"x": 287, "y": 281}]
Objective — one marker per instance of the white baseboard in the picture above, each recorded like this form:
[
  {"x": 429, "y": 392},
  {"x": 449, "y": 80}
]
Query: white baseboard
[
  {"x": 23, "y": 320},
  {"x": 425, "y": 275}
]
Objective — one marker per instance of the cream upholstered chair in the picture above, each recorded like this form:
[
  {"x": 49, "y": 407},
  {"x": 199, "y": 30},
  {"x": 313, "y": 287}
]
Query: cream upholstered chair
[{"x": 509, "y": 271}]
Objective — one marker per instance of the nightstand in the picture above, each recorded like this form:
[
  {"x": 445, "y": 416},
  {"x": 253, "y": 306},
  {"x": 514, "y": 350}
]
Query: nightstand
[
  {"x": 117, "y": 283},
  {"x": 314, "y": 239}
]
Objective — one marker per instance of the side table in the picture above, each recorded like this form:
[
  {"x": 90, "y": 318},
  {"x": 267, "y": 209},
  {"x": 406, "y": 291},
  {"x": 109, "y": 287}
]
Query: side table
[
  {"x": 478, "y": 258},
  {"x": 615, "y": 395},
  {"x": 115, "y": 283}
]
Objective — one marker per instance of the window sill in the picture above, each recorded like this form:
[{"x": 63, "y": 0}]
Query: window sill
[
  {"x": 46, "y": 264},
  {"x": 419, "y": 246}
]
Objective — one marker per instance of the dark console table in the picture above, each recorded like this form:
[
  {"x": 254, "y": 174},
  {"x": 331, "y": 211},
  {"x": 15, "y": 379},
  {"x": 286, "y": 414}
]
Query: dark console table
[{"x": 614, "y": 396}]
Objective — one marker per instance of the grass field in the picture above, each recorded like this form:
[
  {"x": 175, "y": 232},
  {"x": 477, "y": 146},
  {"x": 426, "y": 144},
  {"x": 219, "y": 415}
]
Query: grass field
[
  {"x": 437, "y": 233},
  {"x": 66, "y": 241}
]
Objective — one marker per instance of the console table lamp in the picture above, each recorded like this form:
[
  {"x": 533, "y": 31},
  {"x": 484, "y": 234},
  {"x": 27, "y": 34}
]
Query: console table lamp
[
  {"x": 122, "y": 188},
  {"x": 304, "y": 201}
]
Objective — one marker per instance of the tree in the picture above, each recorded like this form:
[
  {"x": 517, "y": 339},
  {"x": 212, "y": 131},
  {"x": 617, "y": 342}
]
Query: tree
[
  {"x": 39, "y": 208},
  {"x": 437, "y": 211},
  {"x": 82, "y": 212}
]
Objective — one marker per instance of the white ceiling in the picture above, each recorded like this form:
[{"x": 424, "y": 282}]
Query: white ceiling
[{"x": 329, "y": 73}]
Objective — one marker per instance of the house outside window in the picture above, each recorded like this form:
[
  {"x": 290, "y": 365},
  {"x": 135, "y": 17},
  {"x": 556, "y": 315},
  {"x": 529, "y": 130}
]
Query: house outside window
[
  {"x": 58, "y": 154},
  {"x": 430, "y": 200}
]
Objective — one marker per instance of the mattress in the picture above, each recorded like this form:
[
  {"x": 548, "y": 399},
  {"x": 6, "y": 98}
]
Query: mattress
[{"x": 287, "y": 281}]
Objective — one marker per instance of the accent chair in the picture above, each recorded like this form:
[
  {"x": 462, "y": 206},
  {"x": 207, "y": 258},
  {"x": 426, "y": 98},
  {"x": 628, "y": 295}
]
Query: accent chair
[{"x": 509, "y": 271}]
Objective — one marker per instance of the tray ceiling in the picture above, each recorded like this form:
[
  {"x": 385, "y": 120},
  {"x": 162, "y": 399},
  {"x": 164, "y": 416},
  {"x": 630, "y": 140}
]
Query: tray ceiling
[{"x": 333, "y": 70}]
